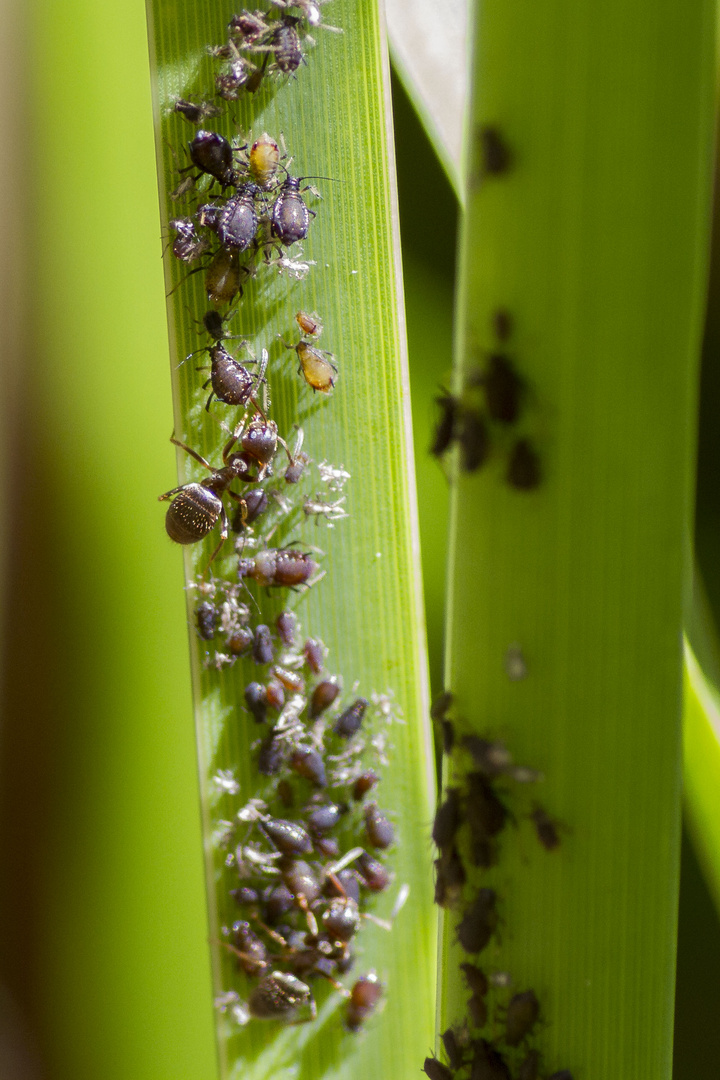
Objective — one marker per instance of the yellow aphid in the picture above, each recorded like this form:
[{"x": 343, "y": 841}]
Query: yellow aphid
[
  {"x": 309, "y": 323},
  {"x": 264, "y": 160},
  {"x": 318, "y": 371}
]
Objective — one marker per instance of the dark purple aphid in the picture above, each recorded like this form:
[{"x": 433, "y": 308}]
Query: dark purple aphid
[
  {"x": 502, "y": 324},
  {"x": 322, "y": 819},
  {"x": 491, "y": 758},
  {"x": 503, "y": 388},
  {"x": 288, "y": 837},
  {"x": 270, "y": 756},
  {"x": 314, "y": 652},
  {"x": 212, "y": 154},
  {"x": 447, "y": 819},
  {"x": 256, "y": 503},
  {"x": 476, "y": 979},
  {"x": 256, "y": 701},
  {"x": 279, "y": 996},
  {"x": 223, "y": 277},
  {"x": 322, "y": 697},
  {"x": 486, "y": 814},
  {"x": 285, "y": 44},
  {"x": 327, "y": 846},
  {"x": 496, "y": 156},
  {"x": 522, "y": 1014},
  {"x": 278, "y": 901},
  {"x": 206, "y": 620},
  {"x": 237, "y": 220},
  {"x": 349, "y": 881},
  {"x": 379, "y": 830},
  {"x": 290, "y": 216},
  {"x": 364, "y": 998},
  {"x": 263, "y": 651},
  {"x": 231, "y": 382},
  {"x": 279, "y": 566},
  {"x": 523, "y": 471},
  {"x": 245, "y": 896},
  {"x": 341, "y": 919},
  {"x": 479, "y": 923},
  {"x": 474, "y": 440},
  {"x": 374, "y": 874},
  {"x": 446, "y": 425},
  {"x": 187, "y": 245},
  {"x": 255, "y": 956},
  {"x": 286, "y": 624},
  {"x": 239, "y": 641},
  {"x": 450, "y": 877},
  {"x": 301, "y": 880},
  {"x": 453, "y": 1049},
  {"x": 309, "y": 764},
  {"x": 478, "y": 1010},
  {"x": 435, "y": 1070},
  {"x": 546, "y": 828},
  {"x": 350, "y": 720},
  {"x": 295, "y": 470}
]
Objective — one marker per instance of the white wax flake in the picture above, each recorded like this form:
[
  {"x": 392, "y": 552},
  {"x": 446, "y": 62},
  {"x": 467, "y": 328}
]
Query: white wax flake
[
  {"x": 515, "y": 666},
  {"x": 223, "y": 833},
  {"x": 387, "y": 707},
  {"x": 328, "y": 511},
  {"x": 230, "y": 1003},
  {"x": 335, "y": 476},
  {"x": 224, "y": 780},
  {"x": 295, "y": 267},
  {"x": 501, "y": 979},
  {"x": 378, "y": 554},
  {"x": 402, "y": 897},
  {"x": 253, "y": 810},
  {"x": 353, "y": 271}
]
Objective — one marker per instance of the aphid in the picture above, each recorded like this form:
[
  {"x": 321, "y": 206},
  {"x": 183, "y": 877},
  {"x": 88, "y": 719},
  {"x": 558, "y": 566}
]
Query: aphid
[
  {"x": 453, "y": 1049},
  {"x": 263, "y": 161},
  {"x": 290, "y": 680},
  {"x": 315, "y": 365},
  {"x": 323, "y": 819},
  {"x": 237, "y": 75},
  {"x": 285, "y": 43},
  {"x": 478, "y": 1010},
  {"x": 379, "y": 830},
  {"x": 281, "y": 996},
  {"x": 486, "y": 814},
  {"x": 309, "y": 323},
  {"x": 278, "y": 566},
  {"x": 301, "y": 881},
  {"x": 195, "y": 114},
  {"x": 288, "y": 837},
  {"x": 488, "y": 1063},
  {"x": 294, "y": 471},
  {"x": 438, "y": 712},
  {"x": 223, "y": 277},
  {"x": 259, "y": 440},
  {"x": 327, "y": 846},
  {"x": 341, "y": 918},
  {"x": 212, "y": 154},
  {"x": 236, "y": 221},
  {"x": 375, "y": 875},
  {"x": 479, "y": 922},
  {"x": 364, "y": 997},
  {"x": 445, "y": 429},
  {"x": 546, "y": 828},
  {"x": 448, "y": 819},
  {"x": 231, "y": 382},
  {"x": 363, "y": 783},
  {"x": 286, "y": 624},
  {"x": 314, "y": 652},
  {"x": 522, "y": 1014},
  {"x": 245, "y": 896},
  {"x": 240, "y": 641},
  {"x": 476, "y": 979},
  {"x": 247, "y": 27},
  {"x": 309, "y": 764},
  {"x": 491, "y": 758},
  {"x": 256, "y": 503},
  {"x": 278, "y": 901},
  {"x": 197, "y": 507},
  {"x": 323, "y": 696},
  {"x": 435, "y": 1070},
  {"x": 206, "y": 618},
  {"x": 350, "y": 720},
  {"x": 523, "y": 471},
  {"x": 503, "y": 388},
  {"x": 263, "y": 651},
  {"x": 530, "y": 1066},
  {"x": 450, "y": 877},
  {"x": 496, "y": 156},
  {"x": 187, "y": 245},
  {"x": 270, "y": 756},
  {"x": 290, "y": 216},
  {"x": 275, "y": 694},
  {"x": 502, "y": 324},
  {"x": 474, "y": 440},
  {"x": 254, "y": 958},
  {"x": 256, "y": 701}
]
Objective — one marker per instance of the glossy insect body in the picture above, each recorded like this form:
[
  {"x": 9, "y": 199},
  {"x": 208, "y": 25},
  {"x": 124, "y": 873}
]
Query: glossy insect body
[
  {"x": 317, "y": 369},
  {"x": 286, "y": 45},
  {"x": 237, "y": 221},
  {"x": 364, "y": 997},
  {"x": 280, "y": 996},
  {"x": 222, "y": 277},
  {"x": 231, "y": 382},
  {"x": 187, "y": 245},
  {"x": 290, "y": 215},
  {"x": 309, "y": 324},
  {"x": 278, "y": 566},
  {"x": 263, "y": 161},
  {"x": 195, "y": 114},
  {"x": 212, "y": 153}
]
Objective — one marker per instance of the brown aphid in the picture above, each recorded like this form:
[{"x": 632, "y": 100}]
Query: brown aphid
[
  {"x": 254, "y": 957},
  {"x": 530, "y": 1066},
  {"x": 376, "y": 877},
  {"x": 450, "y": 877},
  {"x": 364, "y": 998},
  {"x": 547, "y": 829},
  {"x": 496, "y": 155},
  {"x": 263, "y": 651},
  {"x": 435, "y": 1070},
  {"x": 485, "y": 813},
  {"x": 379, "y": 830},
  {"x": 301, "y": 880},
  {"x": 350, "y": 720},
  {"x": 280, "y": 996},
  {"x": 446, "y": 426},
  {"x": 479, "y": 923},
  {"x": 316, "y": 367},
  {"x": 223, "y": 277},
  {"x": 488, "y": 1063},
  {"x": 290, "y": 679},
  {"x": 503, "y": 389},
  {"x": 288, "y": 837},
  {"x": 447, "y": 819},
  {"x": 474, "y": 440},
  {"x": 275, "y": 694},
  {"x": 310, "y": 765},
  {"x": 263, "y": 161},
  {"x": 523, "y": 471},
  {"x": 278, "y": 566},
  {"x": 341, "y": 919},
  {"x": 364, "y": 783},
  {"x": 323, "y": 696},
  {"x": 187, "y": 245},
  {"x": 453, "y": 1049},
  {"x": 286, "y": 624},
  {"x": 522, "y": 1015},
  {"x": 478, "y": 1010},
  {"x": 502, "y": 324},
  {"x": 309, "y": 323},
  {"x": 314, "y": 652},
  {"x": 476, "y": 979}
]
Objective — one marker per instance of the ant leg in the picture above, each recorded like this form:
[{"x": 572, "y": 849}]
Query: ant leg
[
  {"x": 169, "y": 494},
  {"x": 209, "y": 400},
  {"x": 192, "y": 453},
  {"x": 224, "y": 528}
]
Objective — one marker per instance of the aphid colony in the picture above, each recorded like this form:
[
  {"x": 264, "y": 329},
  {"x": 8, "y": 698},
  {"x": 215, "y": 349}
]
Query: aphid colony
[
  {"x": 479, "y": 419},
  {"x": 303, "y": 859},
  {"x": 493, "y": 1039}
]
